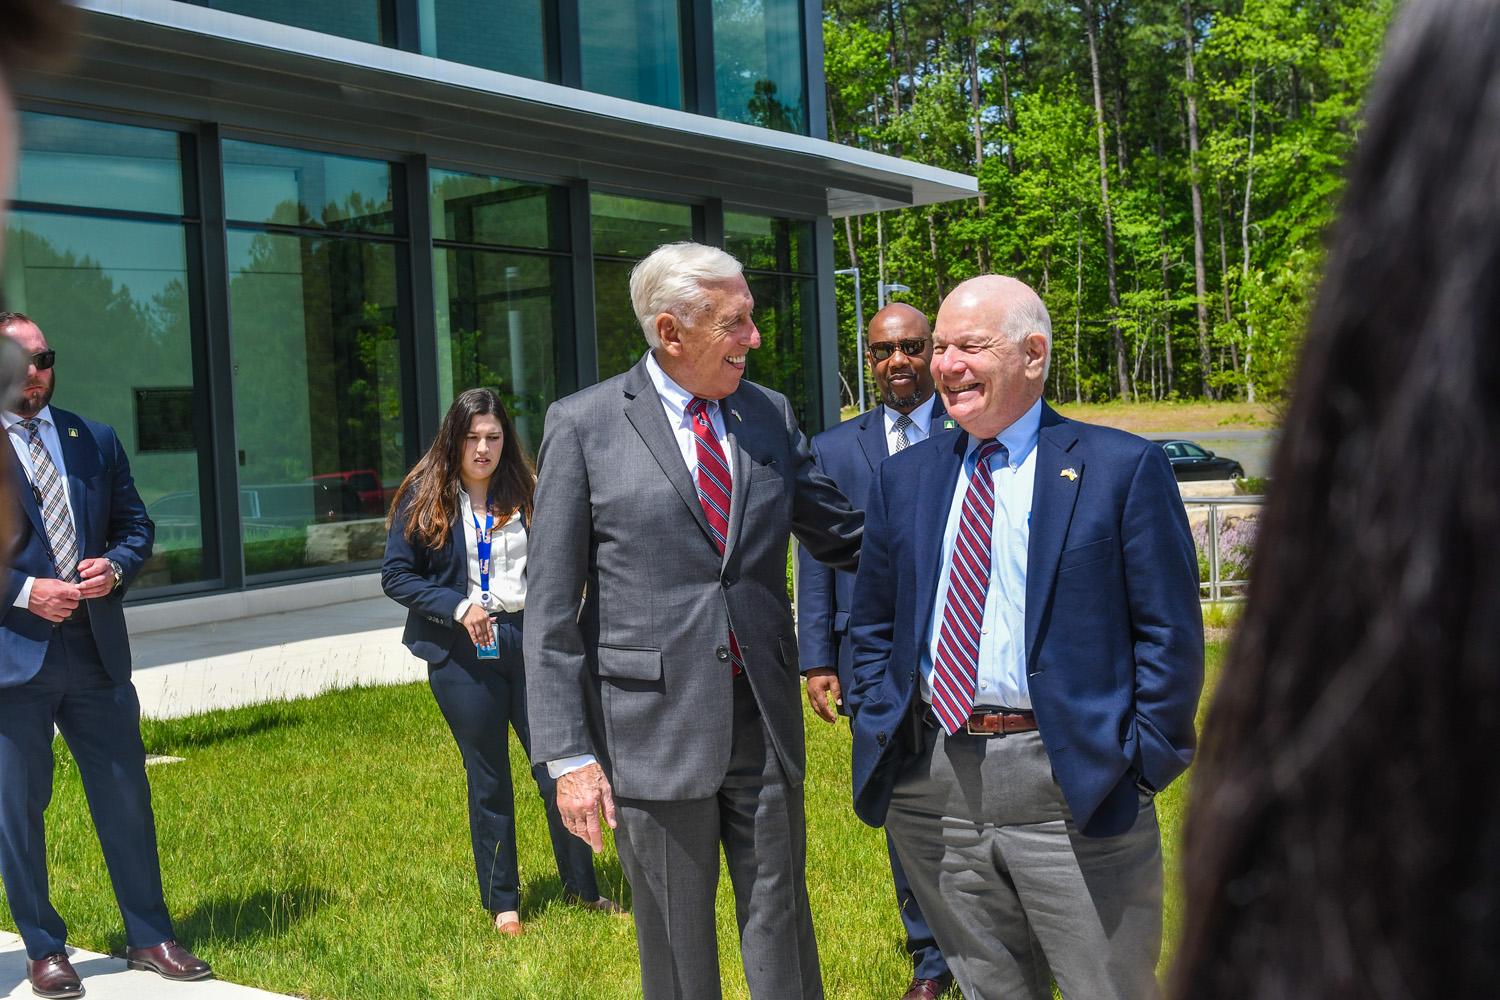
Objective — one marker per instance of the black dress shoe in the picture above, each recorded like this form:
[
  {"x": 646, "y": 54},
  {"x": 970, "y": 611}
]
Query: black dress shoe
[
  {"x": 169, "y": 960},
  {"x": 53, "y": 977}
]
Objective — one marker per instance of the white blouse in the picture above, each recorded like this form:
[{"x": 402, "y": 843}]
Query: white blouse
[{"x": 507, "y": 561}]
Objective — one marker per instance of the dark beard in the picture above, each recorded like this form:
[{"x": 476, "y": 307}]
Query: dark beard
[
  {"x": 23, "y": 407},
  {"x": 902, "y": 402}
]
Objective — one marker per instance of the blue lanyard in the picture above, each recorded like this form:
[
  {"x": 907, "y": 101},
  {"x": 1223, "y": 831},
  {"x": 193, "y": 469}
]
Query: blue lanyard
[{"x": 483, "y": 545}]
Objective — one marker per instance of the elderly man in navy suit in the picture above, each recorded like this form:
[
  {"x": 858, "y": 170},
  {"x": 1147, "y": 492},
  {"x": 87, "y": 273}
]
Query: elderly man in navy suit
[
  {"x": 1028, "y": 655},
  {"x": 65, "y": 662},
  {"x": 900, "y": 359}
]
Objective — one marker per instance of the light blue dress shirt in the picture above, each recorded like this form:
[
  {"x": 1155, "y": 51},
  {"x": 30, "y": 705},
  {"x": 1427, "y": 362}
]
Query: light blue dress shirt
[{"x": 1002, "y": 639}]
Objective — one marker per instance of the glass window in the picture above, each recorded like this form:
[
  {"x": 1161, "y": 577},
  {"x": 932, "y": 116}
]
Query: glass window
[
  {"x": 88, "y": 164},
  {"x": 511, "y": 36},
  {"x": 112, "y": 296},
  {"x": 469, "y": 208},
  {"x": 361, "y": 20},
  {"x": 758, "y": 63},
  {"x": 318, "y": 392},
  {"x": 763, "y": 243},
  {"x": 632, "y": 50},
  {"x": 624, "y": 231},
  {"x": 294, "y": 187}
]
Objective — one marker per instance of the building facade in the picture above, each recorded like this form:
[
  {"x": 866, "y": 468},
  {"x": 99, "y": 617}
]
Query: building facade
[{"x": 271, "y": 240}]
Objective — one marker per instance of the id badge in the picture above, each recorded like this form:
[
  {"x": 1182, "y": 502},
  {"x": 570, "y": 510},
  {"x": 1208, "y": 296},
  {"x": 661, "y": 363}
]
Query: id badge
[{"x": 491, "y": 650}]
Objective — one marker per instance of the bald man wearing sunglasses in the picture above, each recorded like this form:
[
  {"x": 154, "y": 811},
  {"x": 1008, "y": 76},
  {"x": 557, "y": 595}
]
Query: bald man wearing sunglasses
[
  {"x": 899, "y": 353},
  {"x": 81, "y": 536}
]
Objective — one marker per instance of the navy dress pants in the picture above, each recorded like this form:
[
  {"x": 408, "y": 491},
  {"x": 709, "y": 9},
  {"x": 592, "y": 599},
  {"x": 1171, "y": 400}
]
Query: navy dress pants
[
  {"x": 101, "y": 722},
  {"x": 480, "y": 699}
]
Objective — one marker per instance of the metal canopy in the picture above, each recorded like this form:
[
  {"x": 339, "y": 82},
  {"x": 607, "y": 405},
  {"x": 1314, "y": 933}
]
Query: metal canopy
[{"x": 180, "y": 60}]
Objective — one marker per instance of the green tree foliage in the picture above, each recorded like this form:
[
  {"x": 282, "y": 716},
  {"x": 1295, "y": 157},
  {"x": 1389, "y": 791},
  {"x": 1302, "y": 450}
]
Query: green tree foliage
[{"x": 1004, "y": 90}]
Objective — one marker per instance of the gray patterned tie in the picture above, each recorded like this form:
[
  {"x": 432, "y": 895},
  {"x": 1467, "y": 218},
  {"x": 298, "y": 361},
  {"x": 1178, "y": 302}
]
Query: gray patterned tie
[
  {"x": 49, "y": 485},
  {"x": 902, "y": 423}
]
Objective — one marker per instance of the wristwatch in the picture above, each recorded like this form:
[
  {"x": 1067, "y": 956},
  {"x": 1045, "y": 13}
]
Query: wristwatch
[{"x": 119, "y": 573}]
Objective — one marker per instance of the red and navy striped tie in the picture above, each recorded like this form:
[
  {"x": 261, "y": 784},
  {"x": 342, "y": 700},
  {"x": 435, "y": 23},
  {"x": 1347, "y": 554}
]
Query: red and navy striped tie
[
  {"x": 955, "y": 674},
  {"x": 713, "y": 493}
]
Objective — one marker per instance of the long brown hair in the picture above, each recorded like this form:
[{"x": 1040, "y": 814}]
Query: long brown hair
[{"x": 428, "y": 496}]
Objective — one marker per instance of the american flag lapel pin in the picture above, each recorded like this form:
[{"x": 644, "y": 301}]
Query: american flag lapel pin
[{"x": 1070, "y": 474}]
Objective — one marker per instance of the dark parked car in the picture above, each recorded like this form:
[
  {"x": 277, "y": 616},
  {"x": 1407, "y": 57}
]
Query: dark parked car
[{"x": 1191, "y": 462}]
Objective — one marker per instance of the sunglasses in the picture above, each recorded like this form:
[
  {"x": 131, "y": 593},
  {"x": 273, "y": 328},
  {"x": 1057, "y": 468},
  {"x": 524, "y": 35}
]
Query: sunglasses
[
  {"x": 910, "y": 347},
  {"x": 44, "y": 360}
]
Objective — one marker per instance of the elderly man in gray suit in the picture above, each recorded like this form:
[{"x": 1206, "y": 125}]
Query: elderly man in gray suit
[{"x": 661, "y": 663}]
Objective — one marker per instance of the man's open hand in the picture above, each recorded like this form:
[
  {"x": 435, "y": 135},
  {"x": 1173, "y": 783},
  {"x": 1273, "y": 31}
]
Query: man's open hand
[{"x": 582, "y": 796}]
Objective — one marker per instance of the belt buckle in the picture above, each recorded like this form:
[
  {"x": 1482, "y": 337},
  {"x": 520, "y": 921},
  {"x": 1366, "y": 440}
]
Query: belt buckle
[{"x": 969, "y": 725}]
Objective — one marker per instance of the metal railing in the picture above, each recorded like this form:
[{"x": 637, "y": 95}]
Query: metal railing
[{"x": 1217, "y": 587}]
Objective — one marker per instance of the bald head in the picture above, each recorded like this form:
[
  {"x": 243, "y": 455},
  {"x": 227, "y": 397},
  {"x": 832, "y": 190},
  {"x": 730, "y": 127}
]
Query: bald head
[
  {"x": 992, "y": 343},
  {"x": 900, "y": 356}
]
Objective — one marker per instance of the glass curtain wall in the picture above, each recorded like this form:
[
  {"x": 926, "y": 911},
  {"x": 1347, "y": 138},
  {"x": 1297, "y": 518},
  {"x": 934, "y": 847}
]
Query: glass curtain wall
[
  {"x": 362, "y": 20},
  {"x": 758, "y": 63},
  {"x": 625, "y": 230},
  {"x": 780, "y": 269},
  {"x": 314, "y": 246},
  {"x": 501, "y": 276},
  {"x": 98, "y": 255},
  {"x": 632, "y": 50},
  {"x": 511, "y": 36}
]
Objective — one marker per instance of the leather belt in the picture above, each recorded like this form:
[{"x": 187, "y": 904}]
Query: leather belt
[{"x": 990, "y": 721}]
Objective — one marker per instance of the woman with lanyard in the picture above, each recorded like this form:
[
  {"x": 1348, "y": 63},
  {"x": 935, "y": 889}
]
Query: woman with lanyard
[{"x": 455, "y": 557}]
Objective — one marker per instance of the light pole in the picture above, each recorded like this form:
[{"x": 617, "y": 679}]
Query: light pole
[
  {"x": 885, "y": 288},
  {"x": 859, "y": 335}
]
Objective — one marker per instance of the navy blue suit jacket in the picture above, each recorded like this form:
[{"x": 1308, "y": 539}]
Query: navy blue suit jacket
[
  {"x": 1114, "y": 632},
  {"x": 429, "y": 583},
  {"x": 848, "y": 454},
  {"x": 110, "y": 521}
]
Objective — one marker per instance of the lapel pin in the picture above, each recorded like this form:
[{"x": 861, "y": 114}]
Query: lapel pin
[
  {"x": 949, "y": 423},
  {"x": 735, "y": 412},
  {"x": 1071, "y": 475},
  {"x": 72, "y": 432}
]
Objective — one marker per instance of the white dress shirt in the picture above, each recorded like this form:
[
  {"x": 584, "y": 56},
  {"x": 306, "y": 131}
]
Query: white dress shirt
[
  {"x": 674, "y": 403},
  {"x": 1002, "y": 639},
  {"x": 507, "y": 561},
  {"x": 20, "y": 440},
  {"x": 921, "y": 424}
]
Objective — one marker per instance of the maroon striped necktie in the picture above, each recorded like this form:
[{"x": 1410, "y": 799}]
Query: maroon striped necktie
[
  {"x": 955, "y": 674},
  {"x": 712, "y": 476}
]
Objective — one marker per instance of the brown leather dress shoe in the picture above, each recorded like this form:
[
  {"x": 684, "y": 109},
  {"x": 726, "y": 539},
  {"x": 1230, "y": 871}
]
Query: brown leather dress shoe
[
  {"x": 925, "y": 989},
  {"x": 169, "y": 960},
  {"x": 53, "y": 977}
]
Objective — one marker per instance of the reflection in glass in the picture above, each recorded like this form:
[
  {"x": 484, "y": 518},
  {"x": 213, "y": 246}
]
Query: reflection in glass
[
  {"x": 633, "y": 227},
  {"x": 618, "y": 336},
  {"x": 295, "y": 187},
  {"x": 317, "y": 396},
  {"x": 361, "y": 20},
  {"x": 73, "y": 161},
  {"x": 497, "y": 327},
  {"x": 632, "y": 50},
  {"x": 763, "y": 243},
  {"x": 758, "y": 64},
  {"x": 785, "y": 307},
  {"x": 470, "y": 208},
  {"x": 112, "y": 297},
  {"x": 511, "y": 36}
]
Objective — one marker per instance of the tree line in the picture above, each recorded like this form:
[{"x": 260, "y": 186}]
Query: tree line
[{"x": 1161, "y": 171}]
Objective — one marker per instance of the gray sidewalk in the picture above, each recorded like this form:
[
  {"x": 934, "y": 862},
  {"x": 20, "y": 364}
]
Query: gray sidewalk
[{"x": 225, "y": 664}]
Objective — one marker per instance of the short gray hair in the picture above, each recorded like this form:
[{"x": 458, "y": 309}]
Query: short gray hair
[
  {"x": 1029, "y": 315},
  {"x": 671, "y": 280}
]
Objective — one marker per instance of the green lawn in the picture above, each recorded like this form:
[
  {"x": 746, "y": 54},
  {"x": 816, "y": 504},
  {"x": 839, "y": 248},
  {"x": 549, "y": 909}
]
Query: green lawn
[{"x": 320, "y": 848}]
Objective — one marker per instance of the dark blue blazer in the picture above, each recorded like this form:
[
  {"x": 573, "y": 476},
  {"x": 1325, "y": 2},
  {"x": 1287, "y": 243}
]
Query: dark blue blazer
[
  {"x": 111, "y": 522},
  {"x": 1114, "y": 632},
  {"x": 848, "y": 454},
  {"x": 429, "y": 583}
]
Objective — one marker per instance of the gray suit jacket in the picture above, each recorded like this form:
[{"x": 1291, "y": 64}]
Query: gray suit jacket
[{"x": 628, "y": 604}]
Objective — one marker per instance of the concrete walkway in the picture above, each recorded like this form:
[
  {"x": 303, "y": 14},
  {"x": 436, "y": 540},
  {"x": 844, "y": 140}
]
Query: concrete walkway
[
  {"x": 295, "y": 654},
  {"x": 106, "y": 978},
  {"x": 225, "y": 664}
]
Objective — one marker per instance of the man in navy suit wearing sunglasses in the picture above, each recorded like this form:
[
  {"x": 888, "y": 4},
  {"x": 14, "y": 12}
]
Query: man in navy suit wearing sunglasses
[{"x": 81, "y": 536}]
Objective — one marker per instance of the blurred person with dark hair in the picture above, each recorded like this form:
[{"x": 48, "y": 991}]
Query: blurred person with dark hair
[
  {"x": 82, "y": 535},
  {"x": 1344, "y": 835},
  {"x": 455, "y": 558}
]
